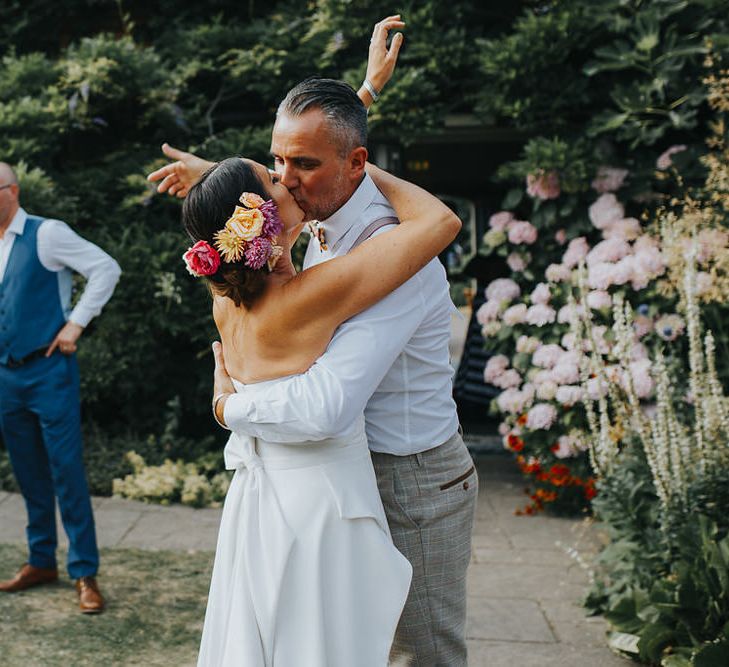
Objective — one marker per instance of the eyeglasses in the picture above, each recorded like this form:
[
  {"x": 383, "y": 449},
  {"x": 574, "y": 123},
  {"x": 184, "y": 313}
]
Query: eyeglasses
[{"x": 9, "y": 185}]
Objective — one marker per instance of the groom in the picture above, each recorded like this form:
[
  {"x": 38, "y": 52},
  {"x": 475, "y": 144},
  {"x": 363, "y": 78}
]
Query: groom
[{"x": 393, "y": 362}]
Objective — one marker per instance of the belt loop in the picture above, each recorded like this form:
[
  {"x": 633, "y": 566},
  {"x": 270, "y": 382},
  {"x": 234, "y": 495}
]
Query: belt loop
[{"x": 419, "y": 459}]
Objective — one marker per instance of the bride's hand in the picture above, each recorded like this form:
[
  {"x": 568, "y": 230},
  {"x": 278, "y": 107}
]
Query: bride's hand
[
  {"x": 179, "y": 176},
  {"x": 381, "y": 61}
]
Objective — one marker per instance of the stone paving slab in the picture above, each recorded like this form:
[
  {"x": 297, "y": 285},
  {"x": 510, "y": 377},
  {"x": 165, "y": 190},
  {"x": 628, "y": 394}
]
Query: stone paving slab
[{"x": 523, "y": 588}]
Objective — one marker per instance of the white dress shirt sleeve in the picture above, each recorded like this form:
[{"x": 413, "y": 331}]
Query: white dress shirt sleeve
[
  {"x": 324, "y": 401},
  {"x": 59, "y": 247}
]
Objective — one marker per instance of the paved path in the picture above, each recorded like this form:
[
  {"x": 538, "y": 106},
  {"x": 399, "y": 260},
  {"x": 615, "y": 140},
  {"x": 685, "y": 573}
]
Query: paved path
[{"x": 524, "y": 590}]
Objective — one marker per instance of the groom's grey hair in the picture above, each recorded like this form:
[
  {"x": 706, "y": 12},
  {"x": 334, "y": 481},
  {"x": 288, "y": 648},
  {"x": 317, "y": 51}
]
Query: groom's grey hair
[
  {"x": 7, "y": 175},
  {"x": 338, "y": 101}
]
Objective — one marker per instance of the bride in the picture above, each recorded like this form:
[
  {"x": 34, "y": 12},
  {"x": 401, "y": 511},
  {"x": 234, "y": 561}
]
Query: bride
[{"x": 305, "y": 570}]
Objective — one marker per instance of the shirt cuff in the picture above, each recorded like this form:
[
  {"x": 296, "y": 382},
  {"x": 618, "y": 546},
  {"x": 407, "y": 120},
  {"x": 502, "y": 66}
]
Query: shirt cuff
[
  {"x": 81, "y": 316},
  {"x": 237, "y": 411}
]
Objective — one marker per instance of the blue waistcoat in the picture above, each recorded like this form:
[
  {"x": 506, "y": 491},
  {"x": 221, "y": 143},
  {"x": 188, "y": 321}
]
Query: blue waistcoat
[{"x": 31, "y": 312}]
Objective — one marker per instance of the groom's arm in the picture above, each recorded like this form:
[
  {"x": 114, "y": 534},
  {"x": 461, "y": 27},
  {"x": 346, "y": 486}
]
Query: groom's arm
[{"x": 326, "y": 399}]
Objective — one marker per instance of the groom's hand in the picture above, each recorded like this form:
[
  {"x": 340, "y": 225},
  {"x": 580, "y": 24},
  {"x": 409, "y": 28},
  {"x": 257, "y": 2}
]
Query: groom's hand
[
  {"x": 222, "y": 384},
  {"x": 179, "y": 176}
]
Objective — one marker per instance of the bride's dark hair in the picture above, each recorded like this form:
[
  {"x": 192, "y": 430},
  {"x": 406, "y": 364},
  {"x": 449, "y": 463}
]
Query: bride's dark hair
[{"x": 207, "y": 207}]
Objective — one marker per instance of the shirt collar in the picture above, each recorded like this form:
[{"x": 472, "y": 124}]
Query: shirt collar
[
  {"x": 17, "y": 224},
  {"x": 342, "y": 220}
]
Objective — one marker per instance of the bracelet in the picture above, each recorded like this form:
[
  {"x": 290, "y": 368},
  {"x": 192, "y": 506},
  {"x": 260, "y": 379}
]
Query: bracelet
[
  {"x": 216, "y": 400},
  {"x": 371, "y": 90}
]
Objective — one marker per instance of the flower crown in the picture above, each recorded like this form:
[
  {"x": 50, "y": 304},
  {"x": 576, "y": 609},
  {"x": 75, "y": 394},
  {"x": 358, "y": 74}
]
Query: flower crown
[{"x": 250, "y": 234}]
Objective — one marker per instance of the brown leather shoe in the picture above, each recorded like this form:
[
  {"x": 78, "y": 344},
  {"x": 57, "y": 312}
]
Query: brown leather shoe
[
  {"x": 90, "y": 600},
  {"x": 27, "y": 577}
]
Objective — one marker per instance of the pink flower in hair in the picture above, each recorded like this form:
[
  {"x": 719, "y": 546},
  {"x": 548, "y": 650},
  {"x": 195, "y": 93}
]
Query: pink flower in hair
[
  {"x": 257, "y": 252},
  {"x": 272, "y": 225},
  {"x": 201, "y": 259}
]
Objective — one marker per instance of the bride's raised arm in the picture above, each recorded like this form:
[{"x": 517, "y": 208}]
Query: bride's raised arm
[{"x": 333, "y": 291}]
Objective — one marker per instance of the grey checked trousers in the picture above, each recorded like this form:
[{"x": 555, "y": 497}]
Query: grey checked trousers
[{"x": 430, "y": 502}]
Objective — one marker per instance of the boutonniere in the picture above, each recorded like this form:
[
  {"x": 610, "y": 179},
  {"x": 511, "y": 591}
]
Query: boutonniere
[{"x": 316, "y": 229}]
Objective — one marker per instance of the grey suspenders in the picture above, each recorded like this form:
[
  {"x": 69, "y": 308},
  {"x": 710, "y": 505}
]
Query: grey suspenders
[{"x": 370, "y": 229}]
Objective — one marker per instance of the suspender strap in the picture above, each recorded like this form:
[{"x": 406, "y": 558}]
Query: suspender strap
[{"x": 370, "y": 229}]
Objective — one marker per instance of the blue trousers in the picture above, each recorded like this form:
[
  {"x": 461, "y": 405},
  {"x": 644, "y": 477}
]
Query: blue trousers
[{"x": 40, "y": 420}]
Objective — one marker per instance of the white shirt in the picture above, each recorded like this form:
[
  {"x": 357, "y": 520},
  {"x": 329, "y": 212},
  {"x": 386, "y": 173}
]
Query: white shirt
[
  {"x": 60, "y": 249},
  {"x": 391, "y": 360}
]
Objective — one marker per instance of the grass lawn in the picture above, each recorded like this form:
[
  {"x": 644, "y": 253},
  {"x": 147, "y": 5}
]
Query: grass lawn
[{"x": 154, "y": 616}]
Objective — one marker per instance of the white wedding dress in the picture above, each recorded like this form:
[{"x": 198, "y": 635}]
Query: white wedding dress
[{"x": 305, "y": 573}]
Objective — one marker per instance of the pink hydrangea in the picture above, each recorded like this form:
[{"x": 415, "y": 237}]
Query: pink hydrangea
[
  {"x": 712, "y": 244},
  {"x": 499, "y": 221},
  {"x": 504, "y": 428},
  {"x": 576, "y": 251},
  {"x": 609, "y": 250},
  {"x": 627, "y": 229},
  {"x": 521, "y": 231},
  {"x": 640, "y": 371},
  {"x": 515, "y": 315},
  {"x": 546, "y": 356},
  {"x": 516, "y": 262},
  {"x": 509, "y": 378},
  {"x": 515, "y": 401},
  {"x": 495, "y": 366},
  {"x": 565, "y": 448},
  {"x": 547, "y": 390},
  {"x": 605, "y": 210},
  {"x": 569, "y": 341},
  {"x": 569, "y": 394},
  {"x": 624, "y": 270},
  {"x": 568, "y": 311},
  {"x": 597, "y": 388},
  {"x": 600, "y": 276},
  {"x": 541, "y": 416},
  {"x": 543, "y": 184},
  {"x": 503, "y": 289},
  {"x": 540, "y": 314},
  {"x": 561, "y": 236},
  {"x": 527, "y": 344},
  {"x": 599, "y": 299},
  {"x": 664, "y": 159},
  {"x": 488, "y": 312},
  {"x": 540, "y": 294},
  {"x": 566, "y": 372},
  {"x": 609, "y": 179},
  {"x": 557, "y": 273}
]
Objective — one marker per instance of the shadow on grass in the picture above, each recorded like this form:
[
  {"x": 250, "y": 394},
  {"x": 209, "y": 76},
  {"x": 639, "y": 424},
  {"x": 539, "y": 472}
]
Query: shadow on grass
[{"x": 155, "y": 610}]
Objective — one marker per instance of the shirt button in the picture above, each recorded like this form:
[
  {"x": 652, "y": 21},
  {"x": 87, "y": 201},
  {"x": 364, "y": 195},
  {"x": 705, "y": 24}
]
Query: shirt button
[{"x": 465, "y": 486}]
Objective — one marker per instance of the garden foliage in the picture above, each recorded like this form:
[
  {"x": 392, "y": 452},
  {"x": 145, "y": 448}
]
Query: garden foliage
[{"x": 89, "y": 89}]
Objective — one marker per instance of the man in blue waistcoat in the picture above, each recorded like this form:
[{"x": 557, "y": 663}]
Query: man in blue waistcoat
[{"x": 39, "y": 385}]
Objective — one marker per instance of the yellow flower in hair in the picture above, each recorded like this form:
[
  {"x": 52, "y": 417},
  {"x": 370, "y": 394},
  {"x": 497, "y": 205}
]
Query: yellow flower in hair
[
  {"x": 247, "y": 223},
  {"x": 230, "y": 245},
  {"x": 252, "y": 200}
]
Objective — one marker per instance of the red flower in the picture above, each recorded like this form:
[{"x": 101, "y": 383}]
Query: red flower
[
  {"x": 515, "y": 443},
  {"x": 202, "y": 259}
]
